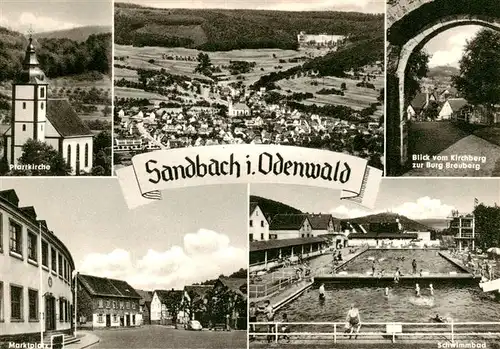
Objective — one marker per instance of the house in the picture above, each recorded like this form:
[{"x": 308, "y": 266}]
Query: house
[
  {"x": 450, "y": 107},
  {"x": 238, "y": 109},
  {"x": 419, "y": 103},
  {"x": 194, "y": 303},
  {"x": 289, "y": 226},
  {"x": 165, "y": 306},
  {"x": 258, "y": 224},
  {"x": 145, "y": 306},
  {"x": 322, "y": 224},
  {"x": 52, "y": 121},
  {"x": 104, "y": 302}
]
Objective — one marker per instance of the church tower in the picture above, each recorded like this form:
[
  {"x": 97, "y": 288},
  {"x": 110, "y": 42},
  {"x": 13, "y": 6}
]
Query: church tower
[{"x": 29, "y": 104}]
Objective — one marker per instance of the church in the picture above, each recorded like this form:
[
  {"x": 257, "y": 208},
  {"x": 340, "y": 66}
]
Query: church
[{"x": 50, "y": 120}]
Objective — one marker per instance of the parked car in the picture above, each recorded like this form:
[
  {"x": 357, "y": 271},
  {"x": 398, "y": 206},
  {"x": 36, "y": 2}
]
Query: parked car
[{"x": 194, "y": 325}]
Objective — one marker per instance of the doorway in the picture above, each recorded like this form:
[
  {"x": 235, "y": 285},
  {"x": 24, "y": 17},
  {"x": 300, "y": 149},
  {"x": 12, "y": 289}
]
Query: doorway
[
  {"x": 108, "y": 320},
  {"x": 50, "y": 313}
]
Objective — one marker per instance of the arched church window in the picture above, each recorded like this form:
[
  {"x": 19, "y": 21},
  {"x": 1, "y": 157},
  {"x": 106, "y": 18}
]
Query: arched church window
[
  {"x": 86, "y": 155},
  {"x": 24, "y": 127},
  {"x": 68, "y": 157},
  {"x": 78, "y": 159},
  {"x": 24, "y": 105}
]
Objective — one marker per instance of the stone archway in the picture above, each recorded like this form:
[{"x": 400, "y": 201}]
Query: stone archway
[{"x": 410, "y": 25}]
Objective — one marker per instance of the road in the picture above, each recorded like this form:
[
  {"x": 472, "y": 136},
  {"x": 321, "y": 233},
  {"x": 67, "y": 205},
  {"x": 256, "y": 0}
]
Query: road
[{"x": 156, "y": 336}]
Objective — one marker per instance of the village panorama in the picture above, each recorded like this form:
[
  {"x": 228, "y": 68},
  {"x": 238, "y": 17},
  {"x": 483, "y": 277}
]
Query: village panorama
[{"x": 196, "y": 77}]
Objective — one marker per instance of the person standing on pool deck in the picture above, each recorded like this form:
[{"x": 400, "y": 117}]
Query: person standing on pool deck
[
  {"x": 386, "y": 292},
  {"x": 431, "y": 289},
  {"x": 321, "y": 292},
  {"x": 417, "y": 290},
  {"x": 373, "y": 268},
  {"x": 269, "y": 312},
  {"x": 353, "y": 320},
  {"x": 252, "y": 317},
  {"x": 414, "y": 265},
  {"x": 397, "y": 274}
]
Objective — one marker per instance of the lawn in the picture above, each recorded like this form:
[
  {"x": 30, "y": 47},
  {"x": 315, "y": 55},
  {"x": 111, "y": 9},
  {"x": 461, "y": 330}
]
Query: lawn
[
  {"x": 432, "y": 137},
  {"x": 490, "y": 134}
]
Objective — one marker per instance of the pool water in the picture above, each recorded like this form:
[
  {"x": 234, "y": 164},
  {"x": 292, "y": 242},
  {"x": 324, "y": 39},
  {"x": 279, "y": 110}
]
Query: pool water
[
  {"x": 428, "y": 260},
  {"x": 460, "y": 303}
]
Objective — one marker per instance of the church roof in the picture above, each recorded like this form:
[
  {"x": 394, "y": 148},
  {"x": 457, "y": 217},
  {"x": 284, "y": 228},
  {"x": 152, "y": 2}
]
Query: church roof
[{"x": 65, "y": 120}]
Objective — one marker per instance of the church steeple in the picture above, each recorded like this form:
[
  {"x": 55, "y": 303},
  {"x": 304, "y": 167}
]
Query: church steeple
[{"x": 31, "y": 74}]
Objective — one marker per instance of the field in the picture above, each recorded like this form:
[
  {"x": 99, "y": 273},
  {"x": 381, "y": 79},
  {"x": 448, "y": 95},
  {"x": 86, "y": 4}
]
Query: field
[
  {"x": 267, "y": 60},
  {"x": 139, "y": 57},
  {"x": 354, "y": 97}
]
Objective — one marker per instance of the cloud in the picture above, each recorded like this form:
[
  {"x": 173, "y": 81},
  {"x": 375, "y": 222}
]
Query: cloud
[
  {"x": 423, "y": 208},
  {"x": 340, "y": 5},
  {"x": 449, "y": 45},
  {"x": 38, "y": 24},
  {"x": 204, "y": 255}
]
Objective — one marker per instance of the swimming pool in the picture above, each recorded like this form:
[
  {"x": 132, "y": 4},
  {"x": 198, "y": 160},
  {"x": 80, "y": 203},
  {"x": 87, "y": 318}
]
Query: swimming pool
[
  {"x": 389, "y": 259},
  {"x": 459, "y": 302}
]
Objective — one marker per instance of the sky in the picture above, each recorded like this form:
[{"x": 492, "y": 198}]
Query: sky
[
  {"x": 49, "y": 15},
  {"x": 367, "y": 6},
  {"x": 447, "y": 47},
  {"x": 192, "y": 235},
  {"x": 414, "y": 198}
]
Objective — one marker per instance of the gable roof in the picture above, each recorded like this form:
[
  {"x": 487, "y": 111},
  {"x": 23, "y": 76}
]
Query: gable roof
[
  {"x": 319, "y": 221},
  {"x": 166, "y": 295},
  {"x": 457, "y": 103},
  {"x": 65, "y": 120},
  {"x": 285, "y": 221},
  {"x": 253, "y": 206},
  {"x": 10, "y": 195},
  {"x": 99, "y": 286},
  {"x": 30, "y": 211},
  {"x": 419, "y": 101},
  {"x": 146, "y": 296}
]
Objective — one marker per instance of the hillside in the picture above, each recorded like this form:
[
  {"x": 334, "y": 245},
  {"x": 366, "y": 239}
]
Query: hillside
[
  {"x": 79, "y": 34},
  {"x": 222, "y": 30},
  {"x": 442, "y": 71},
  {"x": 57, "y": 56},
  {"x": 408, "y": 224},
  {"x": 271, "y": 207}
]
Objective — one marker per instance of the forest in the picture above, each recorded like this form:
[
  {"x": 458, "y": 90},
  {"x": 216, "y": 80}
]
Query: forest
[
  {"x": 224, "y": 30},
  {"x": 57, "y": 57}
]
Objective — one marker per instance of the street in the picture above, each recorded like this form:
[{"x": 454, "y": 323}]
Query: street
[{"x": 156, "y": 336}]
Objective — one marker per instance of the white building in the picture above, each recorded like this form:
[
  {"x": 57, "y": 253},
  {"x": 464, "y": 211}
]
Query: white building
[{"x": 258, "y": 224}]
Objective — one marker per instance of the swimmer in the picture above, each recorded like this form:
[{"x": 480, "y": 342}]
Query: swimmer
[
  {"x": 438, "y": 318},
  {"x": 397, "y": 275},
  {"x": 373, "y": 268},
  {"x": 431, "y": 289},
  {"x": 321, "y": 292},
  {"x": 386, "y": 292},
  {"x": 417, "y": 290}
]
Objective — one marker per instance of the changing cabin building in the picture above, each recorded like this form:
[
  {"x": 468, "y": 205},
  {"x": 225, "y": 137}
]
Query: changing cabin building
[{"x": 52, "y": 121}]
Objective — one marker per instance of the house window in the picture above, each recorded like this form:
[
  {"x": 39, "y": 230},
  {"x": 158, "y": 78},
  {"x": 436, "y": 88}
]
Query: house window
[
  {"x": 66, "y": 313},
  {"x": 108, "y": 304},
  {"x": 33, "y": 304},
  {"x": 101, "y": 303},
  {"x": 133, "y": 305},
  {"x": 61, "y": 309},
  {"x": 256, "y": 213},
  {"x": 251, "y": 237},
  {"x": 99, "y": 318},
  {"x": 127, "y": 305},
  {"x": 262, "y": 224},
  {"x": 114, "y": 318},
  {"x": 16, "y": 237},
  {"x": 1, "y": 301},
  {"x": 53, "y": 256},
  {"x": 262, "y": 236},
  {"x": 68, "y": 156},
  {"x": 251, "y": 223},
  {"x": 121, "y": 305},
  {"x": 42, "y": 92},
  {"x": 16, "y": 303},
  {"x": 24, "y": 127},
  {"x": 24, "y": 105},
  {"x": 41, "y": 127},
  {"x": 114, "y": 304},
  {"x": 32, "y": 246},
  {"x": 60, "y": 260},
  {"x": 45, "y": 254},
  {"x": 86, "y": 155}
]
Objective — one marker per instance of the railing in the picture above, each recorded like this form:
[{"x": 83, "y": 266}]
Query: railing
[
  {"x": 386, "y": 330},
  {"x": 265, "y": 289}
]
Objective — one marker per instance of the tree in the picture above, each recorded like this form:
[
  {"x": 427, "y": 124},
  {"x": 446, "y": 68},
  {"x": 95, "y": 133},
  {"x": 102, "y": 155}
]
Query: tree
[
  {"x": 487, "y": 225},
  {"x": 432, "y": 110},
  {"x": 343, "y": 86},
  {"x": 204, "y": 64},
  {"x": 106, "y": 111},
  {"x": 416, "y": 68},
  {"x": 174, "y": 301},
  {"x": 43, "y": 159},
  {"x": 479, "y": 79}
]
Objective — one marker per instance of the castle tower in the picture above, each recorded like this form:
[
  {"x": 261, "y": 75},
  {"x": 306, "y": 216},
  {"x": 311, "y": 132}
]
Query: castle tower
[{"x": 29, "y": 104}]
